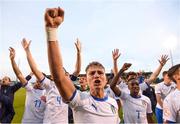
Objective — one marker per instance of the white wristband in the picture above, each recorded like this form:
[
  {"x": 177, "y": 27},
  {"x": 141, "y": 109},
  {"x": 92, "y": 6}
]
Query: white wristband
[{"x": 51, "y": 34}]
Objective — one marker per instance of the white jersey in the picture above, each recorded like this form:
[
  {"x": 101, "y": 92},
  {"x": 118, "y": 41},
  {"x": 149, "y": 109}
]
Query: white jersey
[
  {"x": 34, "y": 105},
  {"x": 135, "y": 109},
  {"x": 87, "y": 109},
  {"x": 56, "y": 110},
  {"x": 124, "y": 87},
  {"x": 171, "y": 107},
  {"x": 163, "y": 90},
  {"x": 108, "y": 91}
]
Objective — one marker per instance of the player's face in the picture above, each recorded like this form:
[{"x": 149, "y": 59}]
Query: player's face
[
  {"x": 82, "y": 81},
  {"x": 176, "y": 76},
  {"x": 96, "y": 77},
  {"x": 6, "y": 81},
  {"x": 166, "y": 78},
  {"x": 134, "y": 87}
]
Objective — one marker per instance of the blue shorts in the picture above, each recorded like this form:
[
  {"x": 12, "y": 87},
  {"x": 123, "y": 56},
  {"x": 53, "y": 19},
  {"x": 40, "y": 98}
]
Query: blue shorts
[{"x": 159, "y": 115}]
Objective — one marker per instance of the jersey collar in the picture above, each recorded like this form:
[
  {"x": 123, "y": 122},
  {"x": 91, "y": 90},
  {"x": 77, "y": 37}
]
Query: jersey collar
[{"x": 100, "y": 99}]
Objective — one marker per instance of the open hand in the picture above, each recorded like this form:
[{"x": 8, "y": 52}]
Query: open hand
[{"x": 12, "y": 53}]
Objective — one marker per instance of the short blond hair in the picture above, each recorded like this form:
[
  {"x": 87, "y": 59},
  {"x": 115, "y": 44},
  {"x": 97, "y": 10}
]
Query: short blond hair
[{"x": 94, "y": 63}]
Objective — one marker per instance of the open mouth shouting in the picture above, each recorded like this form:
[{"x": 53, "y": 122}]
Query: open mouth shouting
[{"x": 97, "y": 82}]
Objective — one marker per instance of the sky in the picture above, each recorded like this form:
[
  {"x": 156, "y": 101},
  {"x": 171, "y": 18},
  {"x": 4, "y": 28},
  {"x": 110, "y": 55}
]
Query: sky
[{"x": 142, "y": 30}]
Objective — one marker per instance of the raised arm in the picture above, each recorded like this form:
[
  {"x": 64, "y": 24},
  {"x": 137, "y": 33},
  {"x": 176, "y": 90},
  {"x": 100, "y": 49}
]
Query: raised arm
[
  {"x": 154, "y": 75},
  {"x": 15, "y": 67},
  {"x": 39, "y": 75},
  {"x": 115, "y": 56},
  {"x": 53, "y": 18},
  {"x": 78, "y": 59},
  {"x": 113, "y": 84}
]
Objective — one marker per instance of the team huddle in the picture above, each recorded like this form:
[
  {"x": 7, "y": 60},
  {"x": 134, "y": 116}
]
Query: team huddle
[{"x": 57, "y": 98}]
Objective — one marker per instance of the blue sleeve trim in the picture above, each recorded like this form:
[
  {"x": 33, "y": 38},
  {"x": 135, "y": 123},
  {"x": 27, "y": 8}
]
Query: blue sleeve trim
[
  {"x": 170, "y": 122},
  {"x": 42, "y": 79},
  {"x": 72, "y": 97}
]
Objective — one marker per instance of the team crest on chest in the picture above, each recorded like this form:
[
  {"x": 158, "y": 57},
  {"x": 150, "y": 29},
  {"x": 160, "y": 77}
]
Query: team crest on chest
[{"x": 144, "y": 103}]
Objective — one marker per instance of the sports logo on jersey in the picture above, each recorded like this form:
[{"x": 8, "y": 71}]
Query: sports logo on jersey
[
  {"x": 94, "y": 106},
  {"x": 108, "y": 92},
  {"x": 113, "y": 109}
]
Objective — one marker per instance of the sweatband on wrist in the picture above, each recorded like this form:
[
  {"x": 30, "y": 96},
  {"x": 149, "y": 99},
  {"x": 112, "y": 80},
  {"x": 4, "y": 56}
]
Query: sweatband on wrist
[{"x": 51, "y": 34}]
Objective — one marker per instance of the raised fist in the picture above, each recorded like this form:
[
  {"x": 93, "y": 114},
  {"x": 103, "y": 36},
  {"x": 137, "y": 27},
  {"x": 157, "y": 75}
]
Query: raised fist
[
  {"x": 54, "y": 17},
  {"x": 126, "y": 66}
]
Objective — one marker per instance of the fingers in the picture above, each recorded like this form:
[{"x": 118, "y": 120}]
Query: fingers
[
  {"x": 115, "y": 54},
  {"x": 54, "y": 17},
  {"x": 164, "y": 59},
  {"x": 127, "y": 65},
  {"x": 61, "y": 13},
  {"x": 29, "y": 43},
  {"x": 11, "y": 49},
  {"x": 12, "y": 53},
  {"x": 48, "y": 18},
  {"x": 78, "y": 44},
  {"x": 25, "y": 44}
]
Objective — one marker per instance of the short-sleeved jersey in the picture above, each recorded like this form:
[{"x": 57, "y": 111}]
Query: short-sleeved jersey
[
  {"x": 124, "y": 87},
  {"x": 108, "y": 91},
  {"x": 34, "y": 105},
  {"x": 56, "y": 110},
  {"x": 88, "y": 109},
  {"x": 135, "y": 109},
  {"x": 163, "y": 90},
  {"x": 171, "y": 107}
]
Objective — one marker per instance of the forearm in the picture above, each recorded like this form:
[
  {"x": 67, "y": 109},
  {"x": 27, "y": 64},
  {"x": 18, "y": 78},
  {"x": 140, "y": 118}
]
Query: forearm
[
  {"x": 159, "y": 100},
  {"x": 155, "y": 74},
  {"x": 18, "y": 72},
  {"x": 115, "y": 67},
  {"x": 116, "y": 78},
  {"x": 33, "y": 65},
  {"x": 78, "y": 64},
  {"x": 113, "y": 84},
  {"x": 161, "y": 104},
  {"x": 63, "y": 83}
]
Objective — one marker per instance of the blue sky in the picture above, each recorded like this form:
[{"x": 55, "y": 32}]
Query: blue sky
[{"x": 139, "y": 28}]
